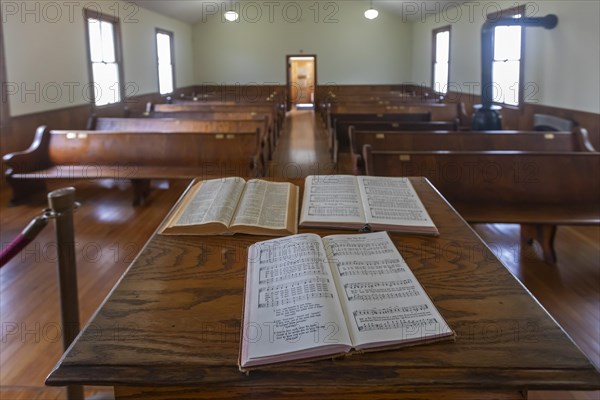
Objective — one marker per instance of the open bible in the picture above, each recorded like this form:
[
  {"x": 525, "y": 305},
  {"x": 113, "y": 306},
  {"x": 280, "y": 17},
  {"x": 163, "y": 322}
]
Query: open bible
[
  {"x": 308, "y": 298},
  {"x": 232, "y": 205},
  {"x": 364, "y": 202}
]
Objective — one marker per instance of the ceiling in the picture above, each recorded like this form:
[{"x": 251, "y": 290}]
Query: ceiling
[{"x": 191, "y": 11}]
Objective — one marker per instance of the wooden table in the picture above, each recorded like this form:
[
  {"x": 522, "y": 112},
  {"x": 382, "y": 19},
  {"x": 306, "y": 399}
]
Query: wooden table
[{"x": 170, "y": 329}]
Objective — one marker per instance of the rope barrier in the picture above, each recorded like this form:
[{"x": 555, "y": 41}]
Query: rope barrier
[
  {"x": 28, "y": 235},
  {"x": 61, "y": 207},
  {"x": 23, "y": 239}
]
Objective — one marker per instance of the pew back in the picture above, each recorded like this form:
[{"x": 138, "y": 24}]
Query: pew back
[
  {"x": 273, "y": 114},
  {"x": 409, "y": 141},
  {"x": 152, "y": 148},
  {"x": 174, "y": 124},
  {"x": 438, "y": 111},
  {"x": 496, "y": 177},
  {"x": 338, "y": 132}
]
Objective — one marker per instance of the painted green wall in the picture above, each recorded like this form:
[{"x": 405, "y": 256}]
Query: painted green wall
[{"x": 350, "y": 49}]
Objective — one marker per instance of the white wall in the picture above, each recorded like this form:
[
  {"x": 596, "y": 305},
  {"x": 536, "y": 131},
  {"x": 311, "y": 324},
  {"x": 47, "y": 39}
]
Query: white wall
[
  {"x": 561, "y": 65},
  {"x": 350, "y": 50},
  {"x": 45, "y": 52},
  {"x": 565, "y": 62}
]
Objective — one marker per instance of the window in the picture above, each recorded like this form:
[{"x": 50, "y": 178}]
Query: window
[
  {"x": 440, "y": 59},
  {"x": 164, "y": 52},
  {"x": 104, "y": 44},
  {"x": 507, "y": 64}
]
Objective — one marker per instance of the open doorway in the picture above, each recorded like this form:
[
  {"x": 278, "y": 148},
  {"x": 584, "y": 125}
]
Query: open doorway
[{"x": 301, "y": 81}]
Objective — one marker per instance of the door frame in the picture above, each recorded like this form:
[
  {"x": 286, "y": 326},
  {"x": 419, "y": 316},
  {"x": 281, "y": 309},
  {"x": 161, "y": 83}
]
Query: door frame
[{"x": 288, "y": 79}]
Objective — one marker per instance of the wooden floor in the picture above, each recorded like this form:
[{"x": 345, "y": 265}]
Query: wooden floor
[{"x": 110, "y": 232}]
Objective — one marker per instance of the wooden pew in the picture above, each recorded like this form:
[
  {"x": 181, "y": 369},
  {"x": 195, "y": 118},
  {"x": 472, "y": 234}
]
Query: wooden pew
[
  {"x": 577, "y": 140},
  {"x": 438, "y": 111},
  {"x": 276, "y": 117},
  {"x": 236, "y": 94},
  {"x": 390, "y": 122},
  {"x": 135, "y": 156},
  {"x": 267, "y": 118},
  {"x": 374, "y": 93},
  {"x": 338, "y": 129},
  {"x": 538, "y": 190},
  {"x": 278, "y": 109},
  {"x": 186, "y": 125}
]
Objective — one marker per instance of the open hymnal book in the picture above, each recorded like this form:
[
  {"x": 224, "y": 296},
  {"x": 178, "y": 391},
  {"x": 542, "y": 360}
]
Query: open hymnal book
[
  {"x": 364, "y": 202},
  {"x": 232, "y": 205},
  {"x": 308, "y": 298}
]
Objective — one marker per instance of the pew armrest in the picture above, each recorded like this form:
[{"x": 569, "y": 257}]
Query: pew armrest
[
  {"x": 582, "y": 139},
  {"x": 36, "y": 157}
]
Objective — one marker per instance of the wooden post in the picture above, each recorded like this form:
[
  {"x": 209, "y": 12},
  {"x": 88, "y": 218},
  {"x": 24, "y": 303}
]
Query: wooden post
[{"x": 61, "y": 203}]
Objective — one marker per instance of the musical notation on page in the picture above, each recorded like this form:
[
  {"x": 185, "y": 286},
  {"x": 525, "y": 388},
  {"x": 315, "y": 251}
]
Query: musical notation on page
[
  {"x": 393, "y": 317},
  {"x": 376, "y": 291},
  {"x": 287, "y": 271},
  {"x": 294, "y": 292},
  {"x": 369, "y": 268}
]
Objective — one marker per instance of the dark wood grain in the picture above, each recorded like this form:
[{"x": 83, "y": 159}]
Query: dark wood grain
[
  {"x": 180, "y": 124},
  {"x": 299, "y": 392},
  {"x": 414, "y": 140},
  {"x": 439, "y": 111},
  {"x": 272, "y": 119},
  {"x": 198, "y": 106},
  {"x": 194, "y": 149},
  {"x": 174, "y": 320},
  {"x": 542, "y": 188}
]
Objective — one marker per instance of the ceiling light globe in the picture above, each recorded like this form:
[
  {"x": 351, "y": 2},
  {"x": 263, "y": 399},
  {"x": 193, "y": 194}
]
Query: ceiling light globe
[
  {"x": 371, "y": 13},
  {"x": 231, "y": 16}
]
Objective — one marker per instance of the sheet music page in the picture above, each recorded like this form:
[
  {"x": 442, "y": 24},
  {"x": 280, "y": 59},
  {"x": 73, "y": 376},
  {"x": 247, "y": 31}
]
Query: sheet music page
[
  {"x": 390, "y": 201},
  {"x": 214, "y": 201},
  {"x": 291, "y": 300},
  {"x": 383, "y": 300},
  {"x": 264, "y": 204},
  {"x": 332, "y": 198}
]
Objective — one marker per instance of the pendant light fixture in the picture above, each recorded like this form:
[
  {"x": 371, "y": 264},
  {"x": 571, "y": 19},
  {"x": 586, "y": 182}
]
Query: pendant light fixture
[
  {"x": 231, "y": 15},
  {"x": 371, "y": 13}
]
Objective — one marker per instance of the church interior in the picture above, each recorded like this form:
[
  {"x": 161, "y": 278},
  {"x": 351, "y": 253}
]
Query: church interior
[{"x": 496, "y": 103}]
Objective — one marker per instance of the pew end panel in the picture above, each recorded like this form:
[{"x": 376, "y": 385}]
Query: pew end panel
[{"x": 35, "y": 158}]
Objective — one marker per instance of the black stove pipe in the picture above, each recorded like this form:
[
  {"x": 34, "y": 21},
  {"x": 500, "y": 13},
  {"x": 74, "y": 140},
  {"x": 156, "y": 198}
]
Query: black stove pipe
[{"x": 486, "y": 118}]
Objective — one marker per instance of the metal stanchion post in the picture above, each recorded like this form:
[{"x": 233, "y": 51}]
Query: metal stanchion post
[{"x": 62, "y": 204}]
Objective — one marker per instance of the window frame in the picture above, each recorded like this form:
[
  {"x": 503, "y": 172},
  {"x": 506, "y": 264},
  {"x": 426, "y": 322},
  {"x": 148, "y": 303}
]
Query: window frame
[
  {"x": 95, "y": 14},
  {"x": 172, "y": 48},
  {"x": 511, "y": 12},
  {"x": 4, "y": 107},
  {"x": 434, "y": 32}
]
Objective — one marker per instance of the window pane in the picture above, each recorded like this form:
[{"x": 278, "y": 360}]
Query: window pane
[
  {"x": 440, "y": 80},
  {"x": 112, "y": 81},
  {"x": 95, "y": 40},
  {"x": 442, "y": 46},
  {"x": 163, "y": 46},
  {"x": 99, "y": 73},
  {"x": 108, "y": 42},
  {"x": 506, "y": 82},
  {"x": 165, "y": 78},
  {"x": 106, "y": 83},
  {"x": 507, "y": 43}
]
